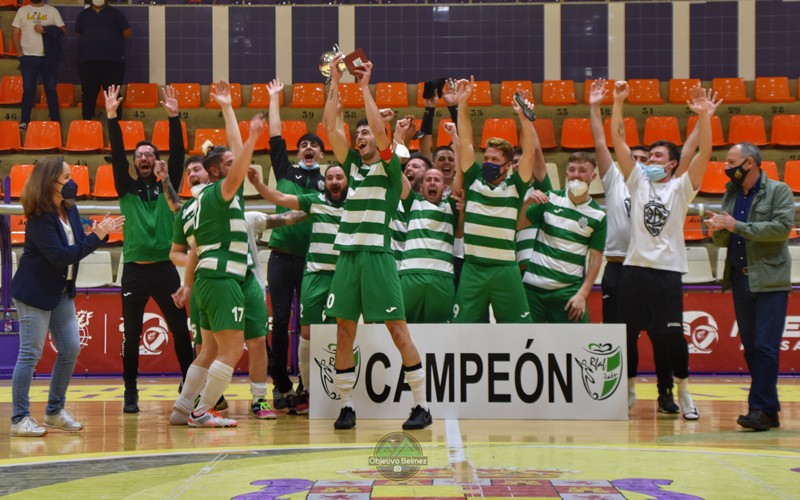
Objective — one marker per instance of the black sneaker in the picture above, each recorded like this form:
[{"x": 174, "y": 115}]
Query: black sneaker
[
  {"x": 131, "y": 403},
  {"x": 346, "y": 420},
  {"x": 666, "y": 403},
  {"x": 419, "y": 419},
  {"x": 774, "y": 421},
  {"x": 278, "y": 401},
  {"x": 291, "y": 403}
]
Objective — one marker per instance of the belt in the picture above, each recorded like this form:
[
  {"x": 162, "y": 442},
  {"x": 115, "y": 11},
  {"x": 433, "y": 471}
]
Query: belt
[{"x": 745, "y": 271}]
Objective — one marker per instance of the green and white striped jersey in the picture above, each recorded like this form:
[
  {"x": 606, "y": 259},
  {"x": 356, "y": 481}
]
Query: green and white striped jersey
[
  {"x": 399, "y": 228},
  {"x": 429, "y": 240},
  {"x": 324, "y": 226},
  {"x": 221, "y": 235},
  {"x": 566, "y": 234},
  {"x": 183, "y": 226},
  {"x": 373, "y": 195},
  {"x": 526, "y": 238},
  {"x": 490, "y": 218}
]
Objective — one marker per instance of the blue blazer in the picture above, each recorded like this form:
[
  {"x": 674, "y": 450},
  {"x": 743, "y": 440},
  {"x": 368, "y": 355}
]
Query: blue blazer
[{"x": 41, "y": 277}]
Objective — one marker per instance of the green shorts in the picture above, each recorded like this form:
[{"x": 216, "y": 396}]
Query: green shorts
[
  {"x": 255, "y": 311},
  {"x": 221, "y": 303},
  {"x": 429, "y": 297},
  {"x": 547, "y": 306},
  {"x": 194, "y": 319},
  {"x": 500, "y": 286},
  {"x": 314, "y": 292},
  {"x": 366, "y": 283}
]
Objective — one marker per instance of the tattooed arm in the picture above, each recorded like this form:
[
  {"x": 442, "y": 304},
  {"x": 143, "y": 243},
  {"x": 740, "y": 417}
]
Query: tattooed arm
[
  {"x": 173, "y": 200},
  {"x": 286, "y": 219}
]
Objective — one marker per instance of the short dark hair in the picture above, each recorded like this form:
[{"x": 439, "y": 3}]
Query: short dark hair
[
  {"x": 442, "y": 148},
  {"x": 641, "y": 147},
  {"x": 214, "y": 157},
  {"x": 148, "y": 143},
  {"x": 420, "y": 156},
  {"x": 192, "y": 159},
  {"x": 362, "y": 123},
  {"x": 674, "y": 153},
  {"x": 310, "y": 137},
  {"x": 580, "y": 156},
  {"x": 750, "y": 150}
]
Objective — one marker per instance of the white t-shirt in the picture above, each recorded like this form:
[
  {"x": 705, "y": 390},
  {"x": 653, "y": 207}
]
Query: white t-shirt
[
  {"x": 70, "y": 241},
  {"x": 618, "y": 213},
  {"x": 658, "y": 210},
  {"x": 27, "y": 17}
]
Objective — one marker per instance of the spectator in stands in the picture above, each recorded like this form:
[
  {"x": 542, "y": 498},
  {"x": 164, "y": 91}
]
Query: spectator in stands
[
  {"x": 147, "y": 271},
  {"x": 289, "y": 245},
  {"x": 36, "y": 30},
  {"x": 44, "y": 290},
  {"x": 101, "y": 31},
  {"x": 651, "y": 287},
  {"x": 754, "y": 225},
  {"x": 494, "y": 196}
]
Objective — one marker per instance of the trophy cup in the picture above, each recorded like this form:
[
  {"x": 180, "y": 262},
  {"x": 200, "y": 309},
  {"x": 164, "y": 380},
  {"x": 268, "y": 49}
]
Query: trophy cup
[{"x": 325, "y": 61}]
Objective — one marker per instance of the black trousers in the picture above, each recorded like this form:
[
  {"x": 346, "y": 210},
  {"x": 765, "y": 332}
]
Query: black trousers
[
  {"x": 612, "y": 314},
  {"x": 285, "y": 276},
  {"x": 95, "y": 75},
  {"x": 158, "y": 281}
]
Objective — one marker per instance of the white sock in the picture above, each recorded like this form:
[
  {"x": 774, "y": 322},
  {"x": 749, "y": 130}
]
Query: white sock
[
  {"x": 416, "y": 380},
  {"x": 194, "y": 382},
  {"x": 632, "y": 385},
  {"x": 344, "y": 384},
  {"x": 683, "y": 386},
  {"x": 304, "y": 359},
  {"x": 219, "y": 377},
  {"x": 258, "y": 390}
]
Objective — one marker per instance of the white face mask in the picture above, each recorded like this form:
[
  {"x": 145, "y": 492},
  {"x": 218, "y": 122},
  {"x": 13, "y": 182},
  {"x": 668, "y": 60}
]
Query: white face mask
[
  {"x": 196, "y": 190},
  {"x": 98, "y": 3},
  {"x": 577, "y": 187}
]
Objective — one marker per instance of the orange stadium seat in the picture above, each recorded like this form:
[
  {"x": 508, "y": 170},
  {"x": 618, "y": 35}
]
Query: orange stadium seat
[
  {"x": 262, "y": 144},
  {"x": 292, "y": 131},
  {"x": 323, "y": 134},
  {"x": 679, "y": 89},
  {"x": 546, "y": 132},
  {"x": 307, "y": 95},
  {"x": 576, "y": 133},
  {"x": 80, "y": 174},
  {"x": 717, "y": 137},
  {"x": 66, "y": 96},
  {"x": 17, "y": 226},
  {"x": 715, "y": 179},
  {"x": 631, "y": 131},
  {"x": 10, "y": 3},
  {"x": 421, "y": 102},
  {"x": 442, "y": 137},
  {"x": 42, "y": 136},
  {"x": 414, "y": 144},
  {"x": 160, "y": 137},
  {"x": 186, "y": 190},
  {"x": 84, "y": 136},
  {"x": 2, "y": 43},
  {"x": 188, "y": 95},
  {"x": 773, "y": 89},
  {"x": 132, "y": 133},
  {"x": 503, "y": 128},
  {"x": 215, "y": 135},
  {"x": 785, "y": 130},
  {"x": 391, "y": 94},
  {"x": 113, "y": 237},
  {"x": 11, "y": 52},
  {"x": 747, "y": 128},
  {"x": 693, "y": 228},
  {"x": 9, "y": 136},
  {"x": 608, "y": 100},
  {"x": 481, "y": 94},
  {"x": 104, "y": 182},
  {"x": 11, "y": 90},
  {"x": 791, "y": 175},
  {"x": 19, "y": 176},
  {"x": 644, "y": 91},
  {"x": 509, "y": 87},
  {"x": 771, "y": 169},
  {"x": 350, "y": 95},
  {"x": 662, "y": 128},
  {"x": 141, "y": 95},
  {"x": 236, "y": 96},
  {"x": 259, "y": 96},
  {"x": 732, "y": 90},
  {"x": 558, "y": 92}
]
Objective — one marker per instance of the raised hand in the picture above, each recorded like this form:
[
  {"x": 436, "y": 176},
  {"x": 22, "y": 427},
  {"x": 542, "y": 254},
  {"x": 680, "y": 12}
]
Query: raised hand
[
  {"x": 113, "y": 100},
  {"x": 449, "y": 93},
  {"x": 598, "y": 91},
  {"x": 161, "y": 170},
  {"x": 254, "y": 175},
  {"x": 336, "y": 73},
  {"x": 621, "y": 90},
  {"x": 169, "y": 101},
  {"x": 537, "y": 197},
  {"x": 464, "y": 90},
  {"x": 387, "y": 114},
  {"x": 275, "y": 87},
  {"x": 257, "y": 125},
  {"x": 363, "y": 73},
  {"x": 522, "y": 106},
  {"x": 698, "y": 100},
  {"x": 712, "y": 101},
  {"x": 222, "y": 93}
]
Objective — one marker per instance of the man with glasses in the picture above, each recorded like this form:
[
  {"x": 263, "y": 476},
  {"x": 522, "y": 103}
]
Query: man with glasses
[{"x": 147, "y": 271}]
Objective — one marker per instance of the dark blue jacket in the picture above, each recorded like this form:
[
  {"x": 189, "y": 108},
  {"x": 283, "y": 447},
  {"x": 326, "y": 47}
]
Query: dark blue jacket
[{"x": 41, "y": 276}]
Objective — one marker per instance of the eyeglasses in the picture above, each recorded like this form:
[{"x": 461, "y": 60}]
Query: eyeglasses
[{"x": 144, "y": 154}]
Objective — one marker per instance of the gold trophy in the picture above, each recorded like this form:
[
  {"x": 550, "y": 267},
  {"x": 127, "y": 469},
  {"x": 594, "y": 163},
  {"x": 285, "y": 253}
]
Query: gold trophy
[{"x": 325, "y": 61}]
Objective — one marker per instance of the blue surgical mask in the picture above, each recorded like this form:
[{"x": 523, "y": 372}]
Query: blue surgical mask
[
  {"x": 654, "y": 173},
  {"x": 490, "y": 171},
  {"x": 304, "y": 167},
  {"x": 69, "y": 190}
]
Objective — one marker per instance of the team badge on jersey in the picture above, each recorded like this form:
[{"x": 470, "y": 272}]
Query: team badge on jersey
[{"x": 655, "y": 217}]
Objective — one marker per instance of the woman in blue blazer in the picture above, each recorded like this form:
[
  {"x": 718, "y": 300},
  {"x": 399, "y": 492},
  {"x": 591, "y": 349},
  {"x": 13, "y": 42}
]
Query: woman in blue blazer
[{"x": 44, "y": 290}]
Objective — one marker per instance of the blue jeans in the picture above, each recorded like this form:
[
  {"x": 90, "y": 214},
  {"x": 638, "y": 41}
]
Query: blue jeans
[
  {"x": 31, "y": 67},
  {"x": 762, "y": 319},
  {"x": 33, "y": 325}
]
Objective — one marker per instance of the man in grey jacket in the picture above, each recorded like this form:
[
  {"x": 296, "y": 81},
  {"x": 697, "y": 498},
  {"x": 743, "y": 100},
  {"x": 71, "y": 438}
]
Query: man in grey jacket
[{"x": 757, "y": 217}]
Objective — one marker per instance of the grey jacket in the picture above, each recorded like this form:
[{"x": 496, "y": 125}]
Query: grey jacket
[{"x": 766, "y": 235}]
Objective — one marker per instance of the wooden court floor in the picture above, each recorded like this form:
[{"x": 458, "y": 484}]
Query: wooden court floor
[{"x": 650, "y": 456}]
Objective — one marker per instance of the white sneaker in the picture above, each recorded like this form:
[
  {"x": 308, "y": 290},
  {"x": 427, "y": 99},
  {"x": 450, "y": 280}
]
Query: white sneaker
[
  {"x": 688, "y": 409},
  {"x": 62, "y": 420},
  {"x": 210, "y": 419},
  {"x": 27, "y": 427},
  {"x": 632, "y": 399}
]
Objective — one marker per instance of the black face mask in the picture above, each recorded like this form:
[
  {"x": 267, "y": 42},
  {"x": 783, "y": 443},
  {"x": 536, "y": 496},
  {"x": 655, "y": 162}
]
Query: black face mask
[
  {"x": 69, "y": 190},
  {"x": 737, "y": 174},
  {"x": 491, "y": 171}
]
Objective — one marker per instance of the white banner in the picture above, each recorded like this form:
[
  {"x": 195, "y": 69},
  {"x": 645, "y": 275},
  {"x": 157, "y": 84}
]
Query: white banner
[{"x": 574, "y": 372}]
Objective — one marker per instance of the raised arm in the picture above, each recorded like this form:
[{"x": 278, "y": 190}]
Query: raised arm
[
  {"x": 597, "y": 93},
  {"x": 532, "y": 162},
  {"x": 621, "y": 148},
  {"x": 222, "y": 94},
  {"x": 177, "y": 151},
  {"x": 332, "y": 116},
  {"x": 119, "y": 162},
  {"x": 275, "y": 89},
  {"x": 173, "y": 200},
  {"x": 700, "y": 104},
  {"x": 241, "y": 163},
  {"x": 466, "y": 149},
  {"x": 458, "y": 180},
  {"x": 689, "y": 147},
  {"x": 374, "y": 116},
  {"x": 270, "y": 194}
]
